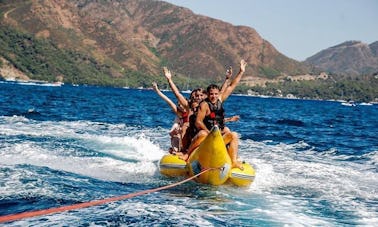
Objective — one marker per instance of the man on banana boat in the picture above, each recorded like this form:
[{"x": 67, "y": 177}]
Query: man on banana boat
[{"x": 211, "y": 113}]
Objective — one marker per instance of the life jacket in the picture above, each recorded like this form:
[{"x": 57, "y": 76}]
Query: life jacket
[
  {"x": 216, "y": 116},
  {"x": 192, "y": 129}
]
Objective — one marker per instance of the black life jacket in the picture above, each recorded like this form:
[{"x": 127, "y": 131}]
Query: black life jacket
[
  {"x": 216, "y": 116},
  {"x": 192, "y": 130}
]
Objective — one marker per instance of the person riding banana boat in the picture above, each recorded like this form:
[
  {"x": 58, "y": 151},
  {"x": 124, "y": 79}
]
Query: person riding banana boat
[{"x": 211, "y": 112}]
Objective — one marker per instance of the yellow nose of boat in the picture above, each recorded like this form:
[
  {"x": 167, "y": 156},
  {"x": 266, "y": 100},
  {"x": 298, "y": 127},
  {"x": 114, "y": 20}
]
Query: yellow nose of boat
[{"x": 212, "y": 153}]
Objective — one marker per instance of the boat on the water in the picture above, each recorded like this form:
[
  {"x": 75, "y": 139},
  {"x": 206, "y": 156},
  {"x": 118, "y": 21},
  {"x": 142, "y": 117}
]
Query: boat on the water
[
  {"x": 349, "y": 103},
  {"x": 211, "y": 154}
]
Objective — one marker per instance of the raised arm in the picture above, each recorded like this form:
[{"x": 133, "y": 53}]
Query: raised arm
[
  {"x": 175, "y": 90},
  {"x": 226, "y": 81},
  {"x": 234, "y": 82},
  {"x": 165, "y": 98}
]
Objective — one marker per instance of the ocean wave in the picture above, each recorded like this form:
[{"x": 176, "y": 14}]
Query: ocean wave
[
  {"x": 287, "y": 175},
  {"x": 110, "y": 152}
]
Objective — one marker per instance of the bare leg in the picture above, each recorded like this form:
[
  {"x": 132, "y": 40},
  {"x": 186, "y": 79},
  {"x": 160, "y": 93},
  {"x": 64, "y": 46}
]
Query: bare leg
[
  {"x": 226, "y": 130},
  {"x": 197, "y": 140},
  {"x": 232, "y": 139},
  {"x": 186, "y": 139},
  {"x": 175, "y": 144}
]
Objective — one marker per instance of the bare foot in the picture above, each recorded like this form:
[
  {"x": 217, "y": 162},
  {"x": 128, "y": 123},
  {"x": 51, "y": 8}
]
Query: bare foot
[
  {"x": 183, "y": 156},
  {"x": 179, "y": 154},
  {"x": 173, "y": 150},
  {"x": 237, "y": 164}
]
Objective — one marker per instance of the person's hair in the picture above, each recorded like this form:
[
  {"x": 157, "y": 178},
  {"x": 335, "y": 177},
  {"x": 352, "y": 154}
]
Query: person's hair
[
  {"x": 212, "y": 86},
  {"x": 192, "y": 93},
  {"x": 201, "y": 90}
]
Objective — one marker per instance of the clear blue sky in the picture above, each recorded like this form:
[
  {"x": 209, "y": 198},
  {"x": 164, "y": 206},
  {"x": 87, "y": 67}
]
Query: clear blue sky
[{"x": 297, "y": 28}]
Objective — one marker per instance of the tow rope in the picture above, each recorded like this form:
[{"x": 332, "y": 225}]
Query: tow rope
[{"x": 29, "y": 214}]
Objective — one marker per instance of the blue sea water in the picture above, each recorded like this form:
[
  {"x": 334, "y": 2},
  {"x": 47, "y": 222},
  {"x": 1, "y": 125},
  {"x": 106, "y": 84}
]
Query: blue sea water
[{"x": 316, "y": 161}]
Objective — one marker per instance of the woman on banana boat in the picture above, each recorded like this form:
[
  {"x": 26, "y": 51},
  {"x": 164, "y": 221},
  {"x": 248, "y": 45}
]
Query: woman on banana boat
[
  {"x": 180, "y": 123},
  {"x": 188, "y": 130},
  {"x": 204, "y": 112}
]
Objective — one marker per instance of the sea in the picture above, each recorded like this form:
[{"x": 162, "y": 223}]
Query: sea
[{"x": 316, "y": 162}]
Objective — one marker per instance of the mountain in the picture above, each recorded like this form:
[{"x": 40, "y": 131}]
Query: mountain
[
  {"x": 123, "y": 42},
  {"x": 374, "y": 48},
  {"x": 348, "y": 58}
]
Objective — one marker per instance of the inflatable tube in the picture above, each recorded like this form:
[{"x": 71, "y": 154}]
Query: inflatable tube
[
  {"x": 211, "y": 153},
  {"x": 171, "y": 165}
]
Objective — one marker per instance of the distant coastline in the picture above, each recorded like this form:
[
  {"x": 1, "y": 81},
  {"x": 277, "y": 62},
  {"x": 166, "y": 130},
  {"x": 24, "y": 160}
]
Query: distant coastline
[
  {"x": 32, "y": 82},
  {"x": 290, "y": 96}
]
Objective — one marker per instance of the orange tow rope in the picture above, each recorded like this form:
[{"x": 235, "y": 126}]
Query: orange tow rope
[{"x": 14, "y": 217}]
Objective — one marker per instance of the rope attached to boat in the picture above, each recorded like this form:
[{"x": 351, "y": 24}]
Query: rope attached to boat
[{"x": 29, "y": 214}]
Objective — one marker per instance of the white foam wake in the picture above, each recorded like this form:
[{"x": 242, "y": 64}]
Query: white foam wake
[
  {"x": 109, "y": 152},
  {"x": 296, "y": 181}
]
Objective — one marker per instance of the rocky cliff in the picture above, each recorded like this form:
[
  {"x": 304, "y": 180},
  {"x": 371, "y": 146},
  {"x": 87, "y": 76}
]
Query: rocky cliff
[{"x": 123, "y": 36}]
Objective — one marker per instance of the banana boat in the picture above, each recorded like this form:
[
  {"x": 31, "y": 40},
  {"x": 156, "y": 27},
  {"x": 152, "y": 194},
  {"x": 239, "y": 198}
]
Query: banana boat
[{"x": 211, "y": 154}]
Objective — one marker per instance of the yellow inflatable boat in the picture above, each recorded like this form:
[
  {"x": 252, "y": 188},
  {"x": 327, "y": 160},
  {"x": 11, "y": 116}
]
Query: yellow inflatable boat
[{"x": 211, "y": 154}]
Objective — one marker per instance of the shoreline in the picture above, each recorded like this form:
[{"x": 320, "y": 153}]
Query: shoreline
[{"x": 290, "y": 97}]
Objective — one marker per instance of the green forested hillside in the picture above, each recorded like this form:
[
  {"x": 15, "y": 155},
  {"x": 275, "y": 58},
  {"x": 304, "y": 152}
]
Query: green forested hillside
[{"x": 357, "y": 89}]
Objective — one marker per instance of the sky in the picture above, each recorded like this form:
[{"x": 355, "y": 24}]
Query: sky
[{"x": 296, "y": 28}]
